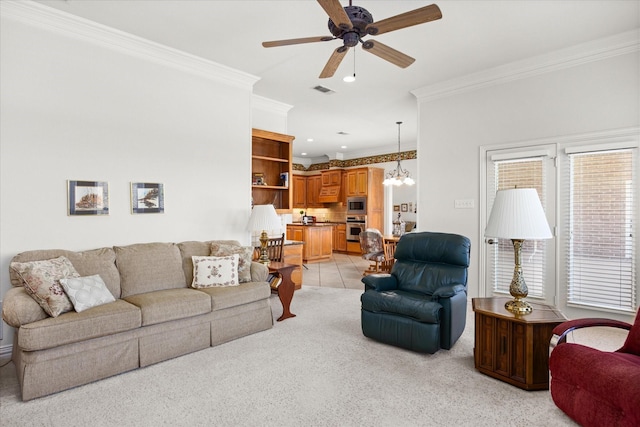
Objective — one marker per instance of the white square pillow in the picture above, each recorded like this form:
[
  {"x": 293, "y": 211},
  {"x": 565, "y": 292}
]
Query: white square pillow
[
  {"x": 86, "y": 292},
  {"x": 210, "y": 271}
]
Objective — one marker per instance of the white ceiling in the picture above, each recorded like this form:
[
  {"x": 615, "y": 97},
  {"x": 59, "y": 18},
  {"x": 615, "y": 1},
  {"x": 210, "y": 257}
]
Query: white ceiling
[{"x": 472, "y": 36}]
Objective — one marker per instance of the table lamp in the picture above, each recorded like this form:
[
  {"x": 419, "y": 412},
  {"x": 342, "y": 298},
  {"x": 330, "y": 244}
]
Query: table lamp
[
  {"x": 263, "y": 218},
  {"x": 517, "y": 214}
]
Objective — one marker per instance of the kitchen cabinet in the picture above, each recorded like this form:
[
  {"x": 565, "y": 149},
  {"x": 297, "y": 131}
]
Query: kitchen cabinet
[
  {"x": 332, "y": 177},
  {"x": 318, "y": 241},
  {"x": 271, "y": 156},
  {"x": 314, "y": 184},
  {"x": 357, "y": 182},
  {"x": 340, "y": 237},
  {"x": 299, "y": 188}
]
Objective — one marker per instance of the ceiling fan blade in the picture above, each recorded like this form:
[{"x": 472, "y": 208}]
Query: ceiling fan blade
[
  {"x": 387, "y": 53},
  {"x": 276, "y": 43},
  {"x": 336, "y": 13},
  {"x": 404, "y": 20},
  {"x": 333, "y": 62}
]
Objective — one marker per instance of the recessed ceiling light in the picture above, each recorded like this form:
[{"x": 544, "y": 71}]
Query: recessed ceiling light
[
  {"x": 343, "y": 146},
  {"x": 309, "y": 139},
  {"x": 303, "y": 154}
]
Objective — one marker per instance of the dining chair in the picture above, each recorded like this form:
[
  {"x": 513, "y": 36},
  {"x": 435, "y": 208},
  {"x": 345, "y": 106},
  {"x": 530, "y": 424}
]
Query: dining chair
[{"x": 275, "y": 248}]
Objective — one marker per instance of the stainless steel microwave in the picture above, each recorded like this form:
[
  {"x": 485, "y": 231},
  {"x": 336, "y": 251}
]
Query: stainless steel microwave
[{"x": 356, "y": 205}]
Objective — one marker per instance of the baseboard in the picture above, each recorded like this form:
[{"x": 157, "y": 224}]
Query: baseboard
[{"x": 6, "y": 351}]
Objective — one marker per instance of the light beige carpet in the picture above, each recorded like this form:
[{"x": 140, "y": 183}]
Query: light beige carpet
[{"x": 316, "y": 369}]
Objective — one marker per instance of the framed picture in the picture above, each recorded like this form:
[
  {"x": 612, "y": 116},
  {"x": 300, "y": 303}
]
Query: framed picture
[
  {"x": 258, "y": 179},
  {"x": 396, "y": 208},
  {"x": 404, "y": 207},
  {"x": 147, "y": 198},
  {"x": 88, "y": 197}
]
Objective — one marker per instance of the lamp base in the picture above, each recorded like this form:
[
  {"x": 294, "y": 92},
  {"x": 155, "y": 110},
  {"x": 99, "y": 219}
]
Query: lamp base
[{"x": 518, "y": 306}]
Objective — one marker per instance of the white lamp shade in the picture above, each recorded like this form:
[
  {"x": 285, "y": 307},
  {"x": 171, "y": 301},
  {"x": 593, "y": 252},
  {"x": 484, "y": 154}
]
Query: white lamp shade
[
  {"x": 264, "y": 217},
  {"x": 517, "y": 214}
]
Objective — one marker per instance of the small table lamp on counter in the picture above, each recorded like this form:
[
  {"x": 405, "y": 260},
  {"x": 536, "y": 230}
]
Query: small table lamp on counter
[
  {"x": 263, "y": 218},
  {"x": 517, "y": 214}
]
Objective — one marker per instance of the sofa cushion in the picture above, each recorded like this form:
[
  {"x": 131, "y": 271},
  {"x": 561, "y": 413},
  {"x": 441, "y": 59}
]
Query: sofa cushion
[
  {"x": 209, "y": 271},
  {"x": 86, "y": 292},
  {"x": 100, "y": 261},
  {"x": 195, "y": 248},
  {"x": 231, "y": 296},
  {"x": 245, "y": 254},
  {"x": 148, "y": 267},
  {"x": 170, "y": 304},
  {"x": 71, "y": 327},
  {"x": 42, "y": 281},
  {"x": 415, "y": 306}
]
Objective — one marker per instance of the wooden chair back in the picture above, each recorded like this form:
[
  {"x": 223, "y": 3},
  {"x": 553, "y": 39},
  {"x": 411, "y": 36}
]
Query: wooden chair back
[{"x": 275, "y": 248}]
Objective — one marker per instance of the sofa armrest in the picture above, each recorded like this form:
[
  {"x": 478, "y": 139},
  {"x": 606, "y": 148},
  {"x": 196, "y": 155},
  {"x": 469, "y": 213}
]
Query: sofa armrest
[
  {"x": 447, "y": 291},
  {"x": 561, "y": 331},
  {"x": 18, "y": 308},
  {"x": 380, "y": 282},
  {"x": 259, "y": 272}
]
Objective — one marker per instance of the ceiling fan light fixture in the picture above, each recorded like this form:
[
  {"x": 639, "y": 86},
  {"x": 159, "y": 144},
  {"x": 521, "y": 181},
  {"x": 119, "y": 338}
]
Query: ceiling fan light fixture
[{"x": 398, "y": 176}]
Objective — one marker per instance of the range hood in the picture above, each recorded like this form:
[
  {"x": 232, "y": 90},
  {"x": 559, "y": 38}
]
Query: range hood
[{"x": 329, "y": 194}]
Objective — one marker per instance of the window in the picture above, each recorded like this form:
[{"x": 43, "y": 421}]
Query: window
[
  {"x": 521, "y": 173},
  {"x": 600, "y": 216}
]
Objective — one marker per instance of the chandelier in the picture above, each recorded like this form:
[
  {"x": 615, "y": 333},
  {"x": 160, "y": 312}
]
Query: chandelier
[{"x": 398, "y": 176}]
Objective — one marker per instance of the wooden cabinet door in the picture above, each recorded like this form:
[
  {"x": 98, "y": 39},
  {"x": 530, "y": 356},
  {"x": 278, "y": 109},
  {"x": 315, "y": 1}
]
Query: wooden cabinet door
[
  {"x": 352, "y": 184},
  {"x": 314, "y": 183},
  {"x": 340, "y": 238},
  {"x": 357, "y": 181},
  {"x": 299, "y": 186},
  {"x": 361, "y": 182},
  {"x": 332, "y": 177},
  {"x": 295, "y": 233},
  {"x": 326, "y": 239}
]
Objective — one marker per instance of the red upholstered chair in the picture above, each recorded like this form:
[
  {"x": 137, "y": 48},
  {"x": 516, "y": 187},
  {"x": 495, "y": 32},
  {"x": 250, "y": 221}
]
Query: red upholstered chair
[{"x": 593, "y": 387}]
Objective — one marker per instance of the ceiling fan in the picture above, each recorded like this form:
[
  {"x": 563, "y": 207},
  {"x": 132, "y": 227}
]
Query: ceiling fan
[{"x": 352, "y": 23}]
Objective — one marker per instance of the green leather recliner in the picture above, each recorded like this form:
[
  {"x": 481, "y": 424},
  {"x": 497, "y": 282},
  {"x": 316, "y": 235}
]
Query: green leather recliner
[{"x": 422, "y": 304}]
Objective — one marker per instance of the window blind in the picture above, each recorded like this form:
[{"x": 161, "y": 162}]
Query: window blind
[
  {"x": 521, "y": 173},
  {"x": 601, "y": 215}
]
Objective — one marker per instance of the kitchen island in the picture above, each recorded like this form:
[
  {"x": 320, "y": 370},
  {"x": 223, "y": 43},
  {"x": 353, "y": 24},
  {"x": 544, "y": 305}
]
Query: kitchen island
[{"x": 317, "y": 238}]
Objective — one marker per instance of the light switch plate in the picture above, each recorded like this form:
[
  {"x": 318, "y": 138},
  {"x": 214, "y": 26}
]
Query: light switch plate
[{"x": 464, "y": 204}]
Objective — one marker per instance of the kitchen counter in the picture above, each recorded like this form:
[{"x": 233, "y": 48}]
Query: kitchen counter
[
  {"x": 318, "y": 224},
  {"x": 317, "y": 238}
]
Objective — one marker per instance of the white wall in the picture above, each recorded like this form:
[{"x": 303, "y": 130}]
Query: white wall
[
  {"x": 72, "y": 109},
  {"x": 590, "y": 97}
]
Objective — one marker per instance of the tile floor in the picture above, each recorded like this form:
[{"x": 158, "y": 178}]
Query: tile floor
[{"x": 342, "y": 271}]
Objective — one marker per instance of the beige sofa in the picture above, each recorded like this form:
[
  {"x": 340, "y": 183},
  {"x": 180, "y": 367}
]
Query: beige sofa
[{"x": 156, "y": 315}]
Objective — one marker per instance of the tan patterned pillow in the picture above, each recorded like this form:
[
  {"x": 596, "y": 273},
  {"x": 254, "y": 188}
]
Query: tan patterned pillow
[
  {"x": 41, "y": 280},
  {"x": 209, "y": 271},
  {"x": 245, "y": 256}
]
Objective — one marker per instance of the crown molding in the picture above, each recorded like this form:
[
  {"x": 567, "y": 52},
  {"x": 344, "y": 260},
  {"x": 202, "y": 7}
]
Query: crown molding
[
  {"x": 270, "y": 105},
  {"x": 50, "y": 19},
  {"x": 597, "y": 50}
]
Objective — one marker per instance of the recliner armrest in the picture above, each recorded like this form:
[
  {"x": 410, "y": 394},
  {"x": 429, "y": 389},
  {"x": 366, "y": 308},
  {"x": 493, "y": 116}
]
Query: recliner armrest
[
  {"x": 561, "y": 331},
  {"x": 447, "y": 291},
  {"x": 380, "y": 282}
]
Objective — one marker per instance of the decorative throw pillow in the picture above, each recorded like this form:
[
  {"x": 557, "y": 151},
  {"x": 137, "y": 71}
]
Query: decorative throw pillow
[
  {"x": 41, "y": 280},
  {"x": 86, "y": 292},
  {"x": 209, "y": 271},
  {"x": 244, "y": 262}
]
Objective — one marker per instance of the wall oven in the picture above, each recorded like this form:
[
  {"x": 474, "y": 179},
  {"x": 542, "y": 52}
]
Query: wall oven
[
  {"x": 356, "y": 205},
  {"x": 355, "y": 225}
]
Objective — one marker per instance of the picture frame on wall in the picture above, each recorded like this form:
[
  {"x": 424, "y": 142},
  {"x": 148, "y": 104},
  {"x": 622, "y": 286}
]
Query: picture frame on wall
[
  {"x": 396, "y": 208},
  {"x": 147, "y": 197},
  {"x": 404, "y": 207},
  {"x": 87, "y": 198}
]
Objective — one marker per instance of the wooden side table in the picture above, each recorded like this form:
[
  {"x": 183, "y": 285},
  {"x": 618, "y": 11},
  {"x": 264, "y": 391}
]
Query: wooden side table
[
  {"x": 514, "y": 348},
  {"x": 287, "y": 287}
]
